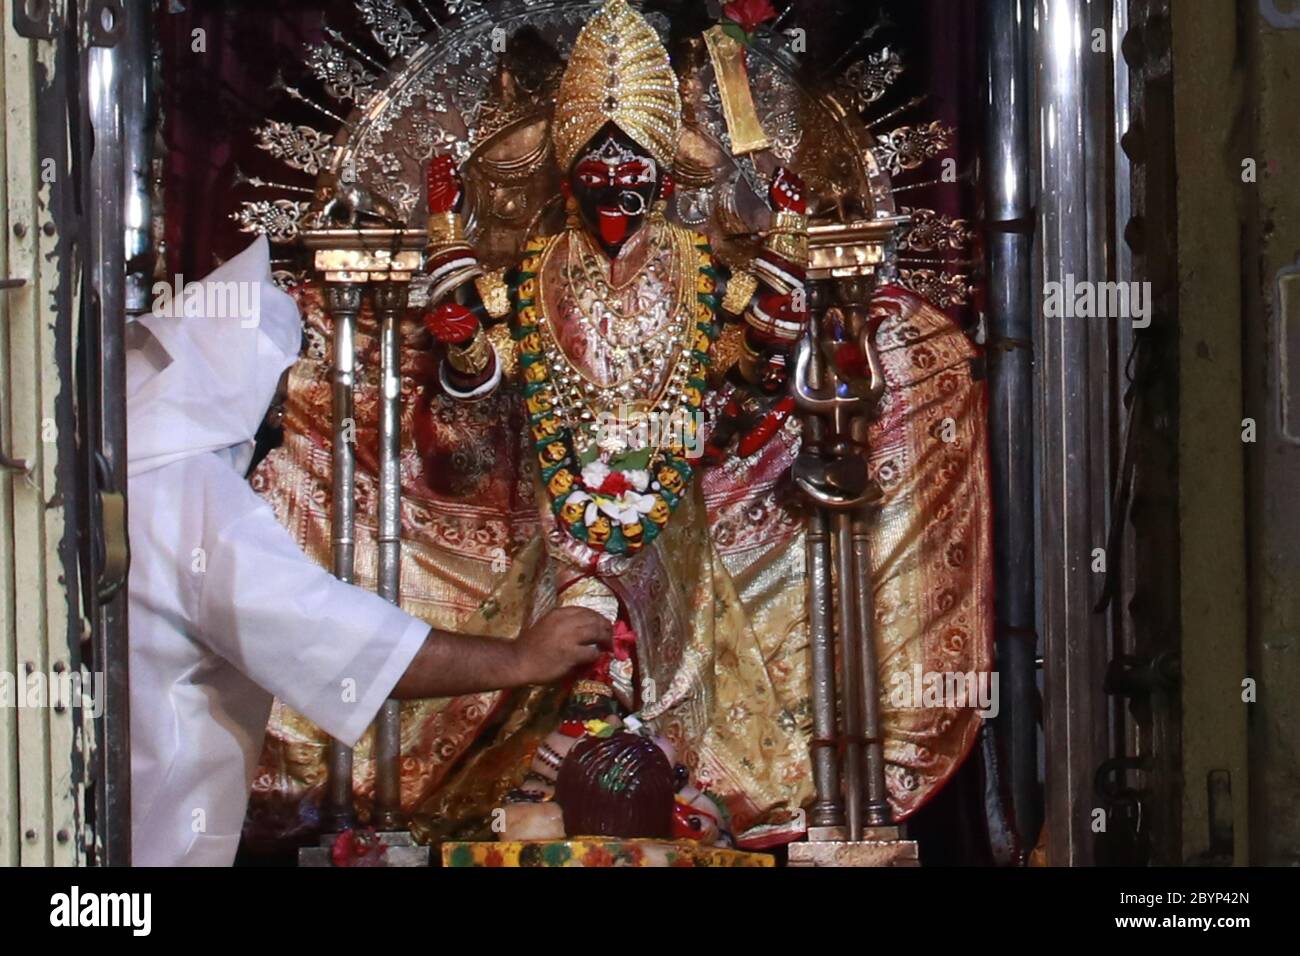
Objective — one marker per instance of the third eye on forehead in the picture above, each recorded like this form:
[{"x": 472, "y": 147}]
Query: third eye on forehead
[{"x": 614, "y": 162}]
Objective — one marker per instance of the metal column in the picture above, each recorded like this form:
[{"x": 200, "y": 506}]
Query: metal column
[
  {"x": 344, "y": 300},
  {"x": 105, "y": 359},
  {"x": 1009, "y": 218},
  {"x": 828, "y": 806},
  {"x": 352, "y": 261},
  {"x": 1074, "y": 419},
  {"x": 390, "y": 302}
]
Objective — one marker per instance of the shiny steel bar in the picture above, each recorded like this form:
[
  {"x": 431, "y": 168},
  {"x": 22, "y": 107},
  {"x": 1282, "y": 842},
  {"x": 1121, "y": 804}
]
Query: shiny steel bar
[
  {"x": 1009, "y": 209},
  {"x": 390, "y": 303},
  {"x": 1073, "y": 402},
  {"x": 1131, "y": 741},
  {"x": 828, "y": 807},
  {"x": 865, "y": 710},
  {"x": 108, "y": 409},
  {"x": 344, "y": 300},
  {"x": 876, "y": 808},
  {"x": 850, "y": 646}
]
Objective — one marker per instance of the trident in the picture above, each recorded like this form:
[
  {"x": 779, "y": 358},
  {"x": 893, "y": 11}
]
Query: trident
[{"x": 831, "y": 470}]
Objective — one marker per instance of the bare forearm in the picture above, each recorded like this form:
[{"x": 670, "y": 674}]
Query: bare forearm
[{"x": 452, "y": 664}]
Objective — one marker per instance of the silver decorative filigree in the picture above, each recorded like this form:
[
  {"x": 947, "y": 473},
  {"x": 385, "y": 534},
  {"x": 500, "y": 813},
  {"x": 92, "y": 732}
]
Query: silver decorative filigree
[
  {"x": 300, "y": 147},
  {"x": 403, "y": 196},
  {"x": 454, "y": 91},
  {"x": 286, "y": 279},
  {"x": 944, "y": 289},
  {"x": 931, "y": 231},
  {"x": 777, "y": 101},
  {"x": 280, "y": 220},
  {"x": 868, "y": 80},
  {"x": 909, "y": 146},
  {"x": 343, "y": 77},
  {"x": 786, "y": 133},
  {"x": 423, "y": 138},
  {"x": 391, "y": 24}
]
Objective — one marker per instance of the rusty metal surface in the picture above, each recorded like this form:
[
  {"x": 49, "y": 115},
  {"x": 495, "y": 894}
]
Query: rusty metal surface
[{"x": 43, "y": 749}]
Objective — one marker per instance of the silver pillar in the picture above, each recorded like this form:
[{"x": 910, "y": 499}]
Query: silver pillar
[
  {"x": 828, "y": 807},
  {"x": 390, "y": 303},
  {"x": 850, "y": 646},
  {"x": 1010, "y": 224},
  {"x": 1074, "y": 416},
  {"x": 876, "y": 809},
  {"x": 352, "y": 261},
  {"x": 344, "y": 299}
]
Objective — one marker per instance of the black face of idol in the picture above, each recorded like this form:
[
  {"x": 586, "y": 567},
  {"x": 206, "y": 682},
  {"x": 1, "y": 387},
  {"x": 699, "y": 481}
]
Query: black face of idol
[{"x": 615, "y": 182}]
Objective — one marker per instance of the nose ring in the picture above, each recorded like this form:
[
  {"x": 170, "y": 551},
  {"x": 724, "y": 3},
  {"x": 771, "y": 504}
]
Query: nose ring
[{"x": 629, "y": 210}]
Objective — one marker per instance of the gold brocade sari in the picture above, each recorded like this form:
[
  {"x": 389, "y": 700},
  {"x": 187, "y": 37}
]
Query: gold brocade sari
[{"x": 718, "y": 601}]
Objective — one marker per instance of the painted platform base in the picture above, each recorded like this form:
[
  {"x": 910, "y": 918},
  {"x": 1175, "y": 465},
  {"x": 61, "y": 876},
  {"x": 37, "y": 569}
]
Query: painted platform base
[
  {"x": 830, "y": 846},
  {"x": 598, "y": 852},
  {"x": 860, "y": 853},
  {"x": 402, "y": 850}
]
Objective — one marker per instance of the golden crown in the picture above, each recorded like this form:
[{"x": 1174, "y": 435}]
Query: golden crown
[{"x": 618, "y": 71}]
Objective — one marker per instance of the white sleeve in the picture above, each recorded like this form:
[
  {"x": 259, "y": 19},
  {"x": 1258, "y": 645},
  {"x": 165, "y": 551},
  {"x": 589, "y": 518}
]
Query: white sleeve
[{"x": 329, "y": 650}]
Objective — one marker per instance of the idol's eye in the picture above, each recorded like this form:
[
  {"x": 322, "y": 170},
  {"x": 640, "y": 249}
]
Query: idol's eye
[
  {"x": 592, "y": 174},
  {"x": 633, "y": 174}
]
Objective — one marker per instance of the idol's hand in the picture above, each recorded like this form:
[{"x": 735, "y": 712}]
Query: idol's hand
[
  {"x": 446, "y": 188},
  {"x": 564, "y": 639},
  {"x": 788, "y": 192},
  {"x": 778, "y": 318},
  {"x": 451, "y": 324}
]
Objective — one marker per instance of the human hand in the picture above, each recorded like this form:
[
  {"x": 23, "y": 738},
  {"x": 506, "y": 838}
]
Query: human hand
[{"x": 563, "y": 639}]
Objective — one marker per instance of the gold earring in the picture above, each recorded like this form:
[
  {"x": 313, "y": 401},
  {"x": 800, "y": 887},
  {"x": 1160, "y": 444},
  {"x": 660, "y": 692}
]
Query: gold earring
[{"x": 572, "y": 219}]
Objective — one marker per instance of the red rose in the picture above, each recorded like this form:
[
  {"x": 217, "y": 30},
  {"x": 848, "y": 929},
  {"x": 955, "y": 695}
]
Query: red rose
[
  {"x": 750, "y": 14},
  {"x": 614, "y": 484}
]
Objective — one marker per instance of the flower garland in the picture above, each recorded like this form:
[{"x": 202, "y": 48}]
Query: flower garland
[{"x": 621, "y": 506}]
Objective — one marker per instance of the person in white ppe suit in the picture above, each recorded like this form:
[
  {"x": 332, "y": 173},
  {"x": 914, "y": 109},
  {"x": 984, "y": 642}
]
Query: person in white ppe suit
[{"x": 226, "y": 612}]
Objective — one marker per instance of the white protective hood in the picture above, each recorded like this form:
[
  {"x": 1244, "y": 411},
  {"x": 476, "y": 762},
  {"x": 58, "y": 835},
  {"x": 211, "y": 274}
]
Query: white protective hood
[{"x": 227, "y": 344}]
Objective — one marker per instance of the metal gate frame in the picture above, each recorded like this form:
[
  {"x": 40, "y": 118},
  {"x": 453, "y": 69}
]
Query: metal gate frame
[{"x": 65, "y": 766}]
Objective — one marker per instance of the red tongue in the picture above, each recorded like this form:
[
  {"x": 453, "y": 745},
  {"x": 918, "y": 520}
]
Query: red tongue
[{"x": 613, "y": 229}]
